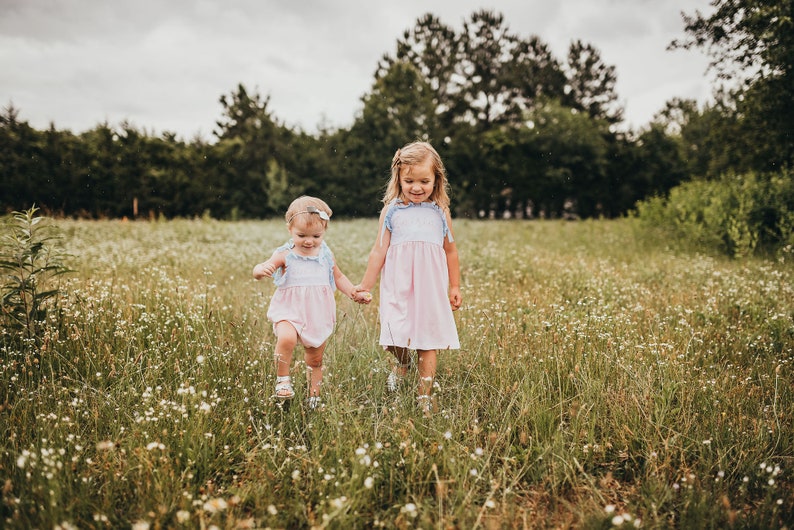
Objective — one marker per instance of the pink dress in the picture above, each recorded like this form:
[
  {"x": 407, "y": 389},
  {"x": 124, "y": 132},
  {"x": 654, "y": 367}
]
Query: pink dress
[
  {"x": 304, "y": 295},
  {"x": 414, "y": 304}
]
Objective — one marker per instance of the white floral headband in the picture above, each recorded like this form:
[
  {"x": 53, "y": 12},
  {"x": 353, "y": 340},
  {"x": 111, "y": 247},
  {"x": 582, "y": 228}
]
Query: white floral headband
[{"x": 311, "y": 209}]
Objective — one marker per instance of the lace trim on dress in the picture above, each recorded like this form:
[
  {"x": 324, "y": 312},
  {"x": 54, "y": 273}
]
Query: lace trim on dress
[
  {"x": 325, "y": 257},
  {"x": 397, "y": 204}
]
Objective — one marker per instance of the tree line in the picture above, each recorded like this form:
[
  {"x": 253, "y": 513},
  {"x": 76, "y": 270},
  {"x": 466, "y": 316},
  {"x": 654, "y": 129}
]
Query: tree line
[{"x": 521, "y": 131}]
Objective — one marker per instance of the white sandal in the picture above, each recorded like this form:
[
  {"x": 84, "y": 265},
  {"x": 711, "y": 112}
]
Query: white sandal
[
  {"x": 395, "y": 379},
  {"x": 314, "y": 402},
  {"x": 284, "y": 390},
  {"x": 425, "y": 403}
]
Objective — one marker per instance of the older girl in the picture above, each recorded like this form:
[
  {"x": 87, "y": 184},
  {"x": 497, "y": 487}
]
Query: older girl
[{"x": 416, "y": 257}]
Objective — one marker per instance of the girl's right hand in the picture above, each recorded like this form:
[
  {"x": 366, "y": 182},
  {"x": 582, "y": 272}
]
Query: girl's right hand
[{"x": 264, "y": 269}]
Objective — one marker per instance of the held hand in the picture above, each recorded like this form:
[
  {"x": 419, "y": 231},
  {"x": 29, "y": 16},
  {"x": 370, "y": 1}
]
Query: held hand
[
  {"x": 361, "y": 295},
  {"x": 455, "y": 299}
]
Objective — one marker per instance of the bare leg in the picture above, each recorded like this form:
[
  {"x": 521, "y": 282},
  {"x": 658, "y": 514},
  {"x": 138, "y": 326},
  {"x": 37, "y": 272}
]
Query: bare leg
[
  {"x": 287, "y": 339},
  {"x": 403, "y": 356},
  {"x": 314, "y": 368},
  {"x": 427, "y": 371}
]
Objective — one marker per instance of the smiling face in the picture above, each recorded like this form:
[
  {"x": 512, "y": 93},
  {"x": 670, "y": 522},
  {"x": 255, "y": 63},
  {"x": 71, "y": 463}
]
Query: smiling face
[
  {"x": 417, "y": 181},
  {"x": 307, "y": 237}
]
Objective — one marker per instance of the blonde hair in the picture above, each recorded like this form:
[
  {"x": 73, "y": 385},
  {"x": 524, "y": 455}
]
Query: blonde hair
[
  {"x": 299, "y": 209},
  {"x": 413, "y": 154}
]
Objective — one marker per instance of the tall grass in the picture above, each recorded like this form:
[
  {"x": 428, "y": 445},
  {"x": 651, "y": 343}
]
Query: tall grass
[{"x": 603, "y": 381}]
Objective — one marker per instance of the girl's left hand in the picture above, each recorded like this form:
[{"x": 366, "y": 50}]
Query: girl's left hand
[
  {"x": 455, "y": 299},
  {"x": 361, "y": 295}
]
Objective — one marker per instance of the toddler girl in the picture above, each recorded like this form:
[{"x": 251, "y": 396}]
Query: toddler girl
[
  {"x": 416, "y": 252},
  {"x": 303, "y": 308}
]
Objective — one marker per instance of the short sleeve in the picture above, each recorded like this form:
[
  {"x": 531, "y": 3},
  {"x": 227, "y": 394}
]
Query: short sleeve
[
  {"x": 278, "y": 276},
  {"x": 327, "y": 258}
]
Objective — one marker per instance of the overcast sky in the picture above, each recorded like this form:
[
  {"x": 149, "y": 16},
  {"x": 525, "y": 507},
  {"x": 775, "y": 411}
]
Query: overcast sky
[{"x": 162, "y": 65}]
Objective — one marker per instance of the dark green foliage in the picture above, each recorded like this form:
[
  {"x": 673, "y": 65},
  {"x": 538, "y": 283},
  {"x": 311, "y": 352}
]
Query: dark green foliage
[{"x": 751, "y": 44}]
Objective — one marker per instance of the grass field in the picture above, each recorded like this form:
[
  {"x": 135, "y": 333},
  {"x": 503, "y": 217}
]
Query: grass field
[{"x": 604, "y": 380}]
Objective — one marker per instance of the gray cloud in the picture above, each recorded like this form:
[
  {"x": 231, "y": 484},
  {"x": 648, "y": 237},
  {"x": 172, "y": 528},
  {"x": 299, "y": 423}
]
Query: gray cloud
[{"x": 164, "y": 65}]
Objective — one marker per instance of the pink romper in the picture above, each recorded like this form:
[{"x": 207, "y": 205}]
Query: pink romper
[
  {"x": 414, "y": 303},
  {"x": 304, "y": 295}
]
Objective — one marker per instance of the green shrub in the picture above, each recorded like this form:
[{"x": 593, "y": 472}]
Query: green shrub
[
  {"x": 737, "y": 215},
  {"x": 31, "y": 263}
]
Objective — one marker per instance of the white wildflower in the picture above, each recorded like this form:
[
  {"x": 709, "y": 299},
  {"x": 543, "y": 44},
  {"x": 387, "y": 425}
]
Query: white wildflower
[
  {"x": 410, "y": 509},
  {"x": 215, "y": 505}
]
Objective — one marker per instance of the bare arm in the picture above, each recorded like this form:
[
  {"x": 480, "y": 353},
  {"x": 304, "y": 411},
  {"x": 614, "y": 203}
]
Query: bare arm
[
  {"x": 269, "y": 267},
  {"x": 377, "y": 256},
  {"x": 346, "y": 286},
  {"x": 453, "y": 266}
]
